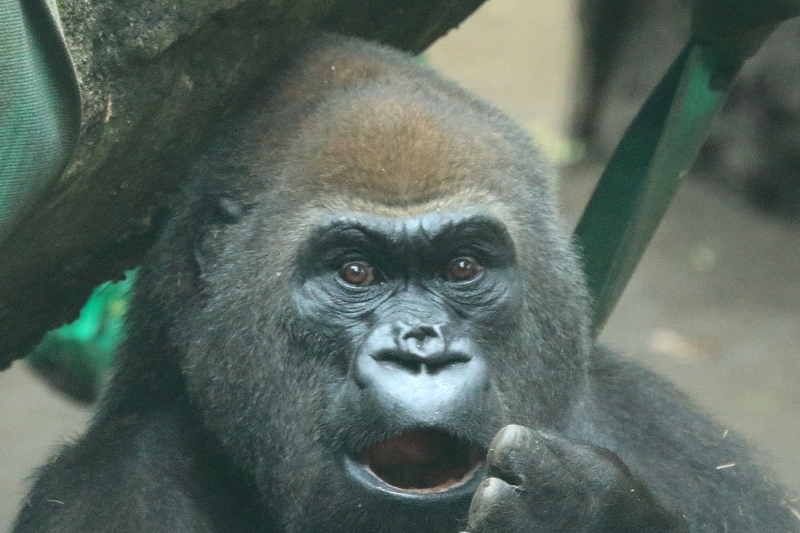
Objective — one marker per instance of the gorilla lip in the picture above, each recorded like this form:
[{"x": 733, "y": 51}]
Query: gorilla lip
[{"x": 422, "y": 461}]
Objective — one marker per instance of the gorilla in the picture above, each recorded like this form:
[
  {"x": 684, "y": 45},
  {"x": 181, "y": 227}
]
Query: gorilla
[{"x": 366, "y": 316}]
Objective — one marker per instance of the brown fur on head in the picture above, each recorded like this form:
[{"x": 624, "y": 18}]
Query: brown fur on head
[{"x": 357, "y": 125}]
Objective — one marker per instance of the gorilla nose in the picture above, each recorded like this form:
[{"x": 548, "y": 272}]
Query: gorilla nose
[
  {"x": 418, "y": 372},
  {"x": 418, "y": 348},
  {"x": 424, "y": 344}
]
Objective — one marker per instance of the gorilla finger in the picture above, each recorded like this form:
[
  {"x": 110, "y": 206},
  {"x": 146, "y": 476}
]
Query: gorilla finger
[
  {"x": 494, "y": 503},
  {"x": 511, "y": 450}
]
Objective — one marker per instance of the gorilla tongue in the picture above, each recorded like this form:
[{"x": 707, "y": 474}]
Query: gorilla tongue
[{"x": 422, "y": 460}]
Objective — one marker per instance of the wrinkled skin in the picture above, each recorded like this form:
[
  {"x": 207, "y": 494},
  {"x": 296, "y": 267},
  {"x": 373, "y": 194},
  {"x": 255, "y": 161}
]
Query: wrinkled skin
[{"x": 366, "y": 316}]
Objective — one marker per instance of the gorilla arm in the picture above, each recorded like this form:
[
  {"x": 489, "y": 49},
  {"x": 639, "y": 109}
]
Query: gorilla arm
[{"x": 136, "y": 472}]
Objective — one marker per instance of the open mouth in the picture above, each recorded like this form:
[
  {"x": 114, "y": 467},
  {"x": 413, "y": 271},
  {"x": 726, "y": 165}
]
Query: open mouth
[{"x": 422, "y": 461}]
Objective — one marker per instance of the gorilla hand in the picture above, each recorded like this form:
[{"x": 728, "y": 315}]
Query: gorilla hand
[{"x": 541, "y": 482}]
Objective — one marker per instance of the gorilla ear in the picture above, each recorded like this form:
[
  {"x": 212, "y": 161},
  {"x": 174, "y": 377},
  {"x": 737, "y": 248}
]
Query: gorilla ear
[
  {"x": 217, "y": 210},
  {"x": 229, "y": 210}
]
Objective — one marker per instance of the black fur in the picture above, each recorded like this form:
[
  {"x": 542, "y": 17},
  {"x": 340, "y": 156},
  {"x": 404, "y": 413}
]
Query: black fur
[{"x": 258, "y": 379}]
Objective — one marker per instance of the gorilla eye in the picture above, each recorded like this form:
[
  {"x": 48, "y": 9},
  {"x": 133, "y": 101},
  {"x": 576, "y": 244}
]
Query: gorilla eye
[
  {"x": 359, "y": 273},
  {"x": 463, "y": 269}
]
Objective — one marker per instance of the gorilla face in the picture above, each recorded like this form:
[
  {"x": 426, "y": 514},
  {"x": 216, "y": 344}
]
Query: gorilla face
[
  {"x": 376, "y": 360},
  {"x": 412, "y": 302},
  {"x": 383, "y": 374}
]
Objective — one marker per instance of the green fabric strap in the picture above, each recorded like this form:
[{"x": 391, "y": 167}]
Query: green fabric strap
[
  {"x": 663, "y": 140},
  {"x": 643, "y": 174},
  {"x": 39, "y": 105}
]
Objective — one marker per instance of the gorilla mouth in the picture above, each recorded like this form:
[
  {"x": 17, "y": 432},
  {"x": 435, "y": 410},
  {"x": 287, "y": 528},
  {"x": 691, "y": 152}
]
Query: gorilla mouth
[{"x": 422, "y": 461}]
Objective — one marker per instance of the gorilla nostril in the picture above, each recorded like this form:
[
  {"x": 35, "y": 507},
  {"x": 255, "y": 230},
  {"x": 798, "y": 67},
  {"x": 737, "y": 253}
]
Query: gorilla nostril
[{"x": 422, "y": 332}]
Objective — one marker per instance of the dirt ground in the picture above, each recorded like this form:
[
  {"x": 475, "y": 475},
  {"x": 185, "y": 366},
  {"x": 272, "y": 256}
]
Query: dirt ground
[{"x": 715, "y": 304}]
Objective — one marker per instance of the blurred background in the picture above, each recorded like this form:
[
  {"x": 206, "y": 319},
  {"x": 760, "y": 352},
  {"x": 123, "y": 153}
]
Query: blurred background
[{"x": 715, "y": 303}]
